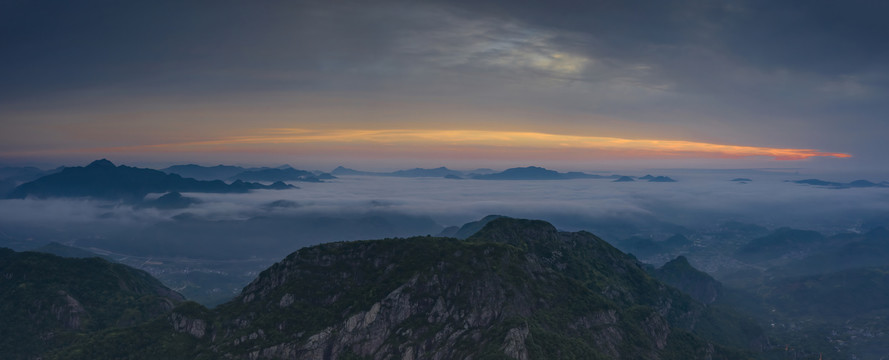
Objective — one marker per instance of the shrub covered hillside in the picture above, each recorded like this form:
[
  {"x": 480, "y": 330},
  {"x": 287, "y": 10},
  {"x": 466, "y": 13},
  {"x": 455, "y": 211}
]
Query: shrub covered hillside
[
  {"x": 47, "y": 301},
  {"x": 518, "y": 289}
]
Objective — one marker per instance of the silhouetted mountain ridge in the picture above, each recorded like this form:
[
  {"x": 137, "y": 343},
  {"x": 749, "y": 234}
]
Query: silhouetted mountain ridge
[
  {"x": 839, "y": 185},
  {"x": 535, "y": 173},
  {"x": 103, "y": 180},
  {"x": 287, "y": 174}
]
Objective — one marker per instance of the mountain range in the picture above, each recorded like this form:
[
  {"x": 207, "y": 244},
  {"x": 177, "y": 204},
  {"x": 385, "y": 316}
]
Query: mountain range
[
  {"x": 227, "y": 172},
  {"x": 101, "y": 179},
  {"x": 518, "y": 173},
  {"x": 535, "y": 173},
  {"x": 416, "y": 172},
  {"x": 841, "y": 185}
]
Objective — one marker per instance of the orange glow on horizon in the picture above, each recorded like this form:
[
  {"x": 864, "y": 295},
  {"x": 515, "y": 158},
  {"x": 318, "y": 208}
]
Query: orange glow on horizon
[{"x": 278, "y": 140}]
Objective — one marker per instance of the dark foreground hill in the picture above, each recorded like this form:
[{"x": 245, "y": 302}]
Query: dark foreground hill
[
  {"x": 101, "y": 179},
  {"x": 47, "y": 301},
  {"x": 518, "y": 289}
]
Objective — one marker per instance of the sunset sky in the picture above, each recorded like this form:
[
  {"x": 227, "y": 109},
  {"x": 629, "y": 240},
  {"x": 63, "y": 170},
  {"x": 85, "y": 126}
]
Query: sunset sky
[{"x": 389, "y": 84}]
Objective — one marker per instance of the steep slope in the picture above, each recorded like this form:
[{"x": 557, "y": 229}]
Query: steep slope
[
  {"x": 48, "y": 301},
  {"x": 103, "y": 180},
  {"x": 517, "y": 289}
]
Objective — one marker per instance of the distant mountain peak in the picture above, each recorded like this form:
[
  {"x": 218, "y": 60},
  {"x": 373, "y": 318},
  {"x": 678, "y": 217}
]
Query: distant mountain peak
[
  {"x": 624, "y": 179},
  {"x": 101, "y": 163},
  {"x": 661, "y": 179}
]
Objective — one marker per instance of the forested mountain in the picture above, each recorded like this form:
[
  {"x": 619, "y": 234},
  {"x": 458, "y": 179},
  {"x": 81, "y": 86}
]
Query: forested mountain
[
  {"x": 48, "y": 301},
  {"x": 516, "y": 289}
]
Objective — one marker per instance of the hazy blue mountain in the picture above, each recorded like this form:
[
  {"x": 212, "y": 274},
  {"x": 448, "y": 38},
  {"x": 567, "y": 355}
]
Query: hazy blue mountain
[
  {"x": 640, "y": 246},
  {"x": 850, "y": 251},
  {"x": 468, "y": 229},
  {"x": 23, "y": 173},
  {"x": 625, "y": 179},
  {"x": 341, "y": 171},
  {"x": 282, "y": 204},
  {"x": 535, "y": 173},
  {"x": 49, "y": 301},
  {"x": 817, "y": 182},
  {"x": 697, "y": 284},
  {"x": 839, "y": 185},
  {"x": 652, "y": 178},
  {"x": 286, "y": 174},
  {"x": 270, "y": 234},
  {"x": 737, "y": 230},
  {"x": 677, "y": 241},
  {"x": 661, "y": 179},
  {"x": 218, "y": 172},
  {"x": 6, "y": 186},
  {"x": 169, "y": 201},
  {"x": 66, "y": 251},
  {"x": 12, "y": 176},
  {"x": 741, "y": 180},
  {"x": 418, "y": 172},
  {"x": 449, "y": 231},
  {"x": 862, "y": 183},
  {"x": 103, "y": 180},
  {"x": 516, "y": 289},
  {"x": 837, "y": 315},
  {"x": 779, "y": 243},
  {"x": 323, "y": 175},
  {"x": 480, "y": 171},
  {"x": 453, "y": 177},
  {"x": 838, "y": 294}
]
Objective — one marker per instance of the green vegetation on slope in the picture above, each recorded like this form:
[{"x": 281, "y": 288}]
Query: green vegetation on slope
[
  {"x": 47, "y": 301},
  {"x": 518, "y": 288}
]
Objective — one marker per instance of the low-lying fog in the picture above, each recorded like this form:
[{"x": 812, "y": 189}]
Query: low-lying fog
[
  {"x": 611, "y": 209},
  {"x": 211, "y": 248}
]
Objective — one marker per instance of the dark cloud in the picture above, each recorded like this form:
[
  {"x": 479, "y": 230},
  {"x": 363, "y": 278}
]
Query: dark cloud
[{"x": 794, "y": 74}]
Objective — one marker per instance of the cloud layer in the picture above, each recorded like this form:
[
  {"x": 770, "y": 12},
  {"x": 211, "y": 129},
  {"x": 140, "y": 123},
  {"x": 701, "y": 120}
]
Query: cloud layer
[{"x": 761, "y": 74}]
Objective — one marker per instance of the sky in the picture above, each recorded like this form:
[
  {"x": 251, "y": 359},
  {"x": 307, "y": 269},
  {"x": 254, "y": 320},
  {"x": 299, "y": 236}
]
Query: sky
[{"x": 395, "y": 84}]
